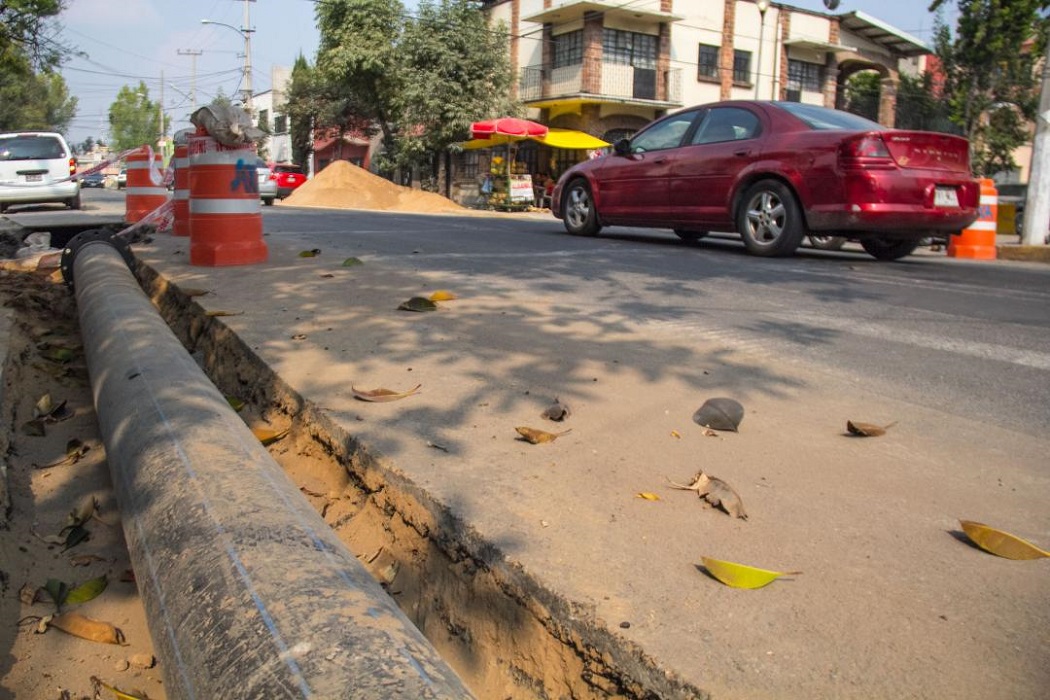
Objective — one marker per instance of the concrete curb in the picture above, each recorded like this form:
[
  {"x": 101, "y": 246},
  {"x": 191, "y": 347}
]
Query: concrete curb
[{"x": 1023, "y": 253}]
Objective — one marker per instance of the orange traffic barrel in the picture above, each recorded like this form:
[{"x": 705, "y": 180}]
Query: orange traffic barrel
[
  {"x": 225, "y": 212},
  {"x": 145, "y": 186},
  {"x": 977, "y": 241},
  {"x": 181, "y": 199}
]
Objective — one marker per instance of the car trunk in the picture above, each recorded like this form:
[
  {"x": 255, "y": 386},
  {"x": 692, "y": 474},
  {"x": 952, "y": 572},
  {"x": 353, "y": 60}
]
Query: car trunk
[{"x": 927, "y": 150}]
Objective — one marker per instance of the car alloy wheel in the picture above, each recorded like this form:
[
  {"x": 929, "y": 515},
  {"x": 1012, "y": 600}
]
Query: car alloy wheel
[
  {"x": 827, "y": 242},
  {"x": 770, "y": 220},
  {"x": 581, "y": 218}
]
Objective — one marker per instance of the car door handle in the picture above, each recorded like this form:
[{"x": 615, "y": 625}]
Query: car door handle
[
  {"x": 742, "y": 152},
  {"x": 659, "y": 161}
]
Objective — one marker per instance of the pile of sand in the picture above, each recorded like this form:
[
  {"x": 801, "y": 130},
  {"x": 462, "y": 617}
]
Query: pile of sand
[{"x": 343, "y": 185}]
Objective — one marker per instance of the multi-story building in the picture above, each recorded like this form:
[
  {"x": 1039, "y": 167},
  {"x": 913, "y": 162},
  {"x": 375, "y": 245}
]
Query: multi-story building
[{"x": 270, "y": 115}]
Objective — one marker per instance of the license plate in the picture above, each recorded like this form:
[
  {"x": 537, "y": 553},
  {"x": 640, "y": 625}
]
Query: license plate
[
  {"x": 34, "y": 178},
  {"x": 945, "y": 197}
]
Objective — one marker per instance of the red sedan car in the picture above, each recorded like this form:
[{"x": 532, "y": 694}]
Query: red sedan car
[
  {"x": 775, "y": 172},
  {"x": 288, "y": 177}
]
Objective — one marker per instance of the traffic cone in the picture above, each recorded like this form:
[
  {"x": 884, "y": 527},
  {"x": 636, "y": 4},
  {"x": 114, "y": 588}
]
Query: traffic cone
[{"x": 144, "y": 193}]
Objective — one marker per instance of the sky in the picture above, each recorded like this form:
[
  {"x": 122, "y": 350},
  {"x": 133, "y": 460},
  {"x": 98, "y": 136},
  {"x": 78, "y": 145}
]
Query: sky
[{"x": 127, "y": 41}]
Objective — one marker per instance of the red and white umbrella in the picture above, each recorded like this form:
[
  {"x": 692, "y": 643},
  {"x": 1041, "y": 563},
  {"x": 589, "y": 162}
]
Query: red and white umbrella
[{"x": 509, "y": 128}]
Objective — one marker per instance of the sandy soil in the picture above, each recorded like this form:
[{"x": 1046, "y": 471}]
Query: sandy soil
[
  {"x": 342, "y": 185},
  {"x": 55, "y": 664}
]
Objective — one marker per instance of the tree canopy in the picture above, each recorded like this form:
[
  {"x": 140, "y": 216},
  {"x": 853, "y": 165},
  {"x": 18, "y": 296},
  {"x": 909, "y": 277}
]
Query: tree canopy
[
  {"x": 418, "y": 80},
  {"x": 991, "y": 82},
  {"x": 32, "y": 95},
  {"x": 134, "y": 119}
]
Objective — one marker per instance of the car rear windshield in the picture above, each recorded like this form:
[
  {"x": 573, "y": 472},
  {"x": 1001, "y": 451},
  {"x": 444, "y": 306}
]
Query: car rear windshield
[
  {"x": 25, "y": 147},
  {"x": 288, "y": 169},
  {"x": 824, "y": 119}
]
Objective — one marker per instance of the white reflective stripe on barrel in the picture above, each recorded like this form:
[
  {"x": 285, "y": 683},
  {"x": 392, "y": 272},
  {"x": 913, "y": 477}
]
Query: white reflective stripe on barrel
[
  {"x": 222, "y": 158},
  {"x": 989, "y": 199},
  {"x": 182, "y": 194},
  {"x": 136, "y": 165},
  {"x": 980, "y": 225},
  {"x": 147, "y": 191},
  {"x": 225, "y": 206},
  {"x": 182, "y": 162}
]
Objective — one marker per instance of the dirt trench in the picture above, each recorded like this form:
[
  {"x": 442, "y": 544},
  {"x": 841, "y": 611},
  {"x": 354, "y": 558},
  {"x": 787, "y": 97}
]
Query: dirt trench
[{"x": 505, "y": 634}]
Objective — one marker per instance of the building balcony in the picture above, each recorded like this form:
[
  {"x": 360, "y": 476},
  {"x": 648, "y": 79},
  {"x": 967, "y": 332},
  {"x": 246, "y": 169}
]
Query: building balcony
[{"x": 543, "y": 86}]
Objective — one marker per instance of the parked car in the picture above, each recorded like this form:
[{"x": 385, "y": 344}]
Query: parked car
[
  {"x": 122, "y": 178},
  {"x": 775, "y": 172},
  {"x": 267, "y": 183},
  {"x": 93, "y": 180},
  {"x": 289, "y": 177},
  {"x": 35, "y": 168}
]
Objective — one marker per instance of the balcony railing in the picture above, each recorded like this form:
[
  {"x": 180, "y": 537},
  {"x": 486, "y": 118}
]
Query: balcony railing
[{"x": 618, "y": 82}]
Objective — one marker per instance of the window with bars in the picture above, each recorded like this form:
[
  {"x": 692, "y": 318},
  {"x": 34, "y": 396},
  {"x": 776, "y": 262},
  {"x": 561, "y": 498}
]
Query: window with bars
[
  {"x": 568, "y": 49},
  {"x": 742, "y": 67},
  {"x": 469, "y": 165},
  {"x": 629, "y": 48},
  {"x": 707, "y": 64},
  {"x": 280, "y": 123},
  {"x": 804, "y": 76}
]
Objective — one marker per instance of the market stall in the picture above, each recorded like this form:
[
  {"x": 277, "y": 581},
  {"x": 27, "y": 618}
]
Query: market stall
[{"x": 507, "y": 183}]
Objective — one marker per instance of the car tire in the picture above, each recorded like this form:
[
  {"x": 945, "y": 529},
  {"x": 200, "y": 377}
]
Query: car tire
[
  {"x": 882, "y": 248},
  {"x": 826, "y": 242},
  {"x": 268, "y": 201},
  {"x": 580, "y": 216},
  {"x": 769, "y": 220},
  {"x": 74, "y": 203},
  {"x": 689, "y": 236}
]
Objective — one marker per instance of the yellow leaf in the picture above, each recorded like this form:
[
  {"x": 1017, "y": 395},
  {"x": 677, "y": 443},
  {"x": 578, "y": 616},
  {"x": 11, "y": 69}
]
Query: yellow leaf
[
  {"x": 535, "y": 437},
  {"x": 742, "y": 576},
  {"x": 1001, "y": 543},
  {"x": 86, "y": 628},
  {"x": 268, "y": 436},
  {"x": 443, "y": 295},
  {"x": 382, "y": 395},
  {"x": 312, "y": 253},
  {"x": 647, "y": 496},
  {"x": 119, "y": 694},
  {"x": 676, "y": 434}
]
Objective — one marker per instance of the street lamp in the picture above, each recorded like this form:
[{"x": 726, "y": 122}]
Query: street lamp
[
  {"x": 763, "y": 6},
  {"x": 246, "y": 33}
]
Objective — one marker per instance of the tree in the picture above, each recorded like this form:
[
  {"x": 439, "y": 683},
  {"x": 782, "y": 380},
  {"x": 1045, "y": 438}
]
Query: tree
[
  {"x": 133, "y": 118},
  {"x": 862, "y": 94},
  {"x": 302, "y": 109},
  {"x": 991, "y": 85},
  {"x": 456, "y": 71},
  {"x": 32, "y": 95}
]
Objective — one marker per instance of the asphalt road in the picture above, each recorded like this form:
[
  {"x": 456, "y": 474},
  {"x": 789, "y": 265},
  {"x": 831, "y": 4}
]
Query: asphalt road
[{"x": 970, "y": 338}]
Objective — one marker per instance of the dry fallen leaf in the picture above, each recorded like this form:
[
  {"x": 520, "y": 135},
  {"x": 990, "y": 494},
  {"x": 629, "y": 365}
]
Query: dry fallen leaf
[
  {"x": 720, "y": 414},
  {"x": 85, "y": 559},
  {"x": 741, "y": 575},
  {"x": 676, "y": 434},
  {"x": 867, "y": 429},
  {"x": 443, "y": 295},
  {"x": 119, "y": 694},
  {"x": 1000, "y": 542},
  {"x": 215, "y": 314},
  {"x": 382, "y": 395},
  {"x": 194, "y": 292},
  {"x": 418, "y": 304},
  {"x": 647, "y": 496},
  {"x": 535, "y": 437},
  {"x": 351, "y": 262},
  {"x": 716, "y": 492},
  {"x": 235, "y": 403},
  {"x": 86, "y": 628},
  {"x": 268, "y": 436},
  {"x": 312, "y": 253}
]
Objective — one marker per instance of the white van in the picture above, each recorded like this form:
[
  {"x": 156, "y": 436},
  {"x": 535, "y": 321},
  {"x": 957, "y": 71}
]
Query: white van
[{"x": 34, "y": 168}]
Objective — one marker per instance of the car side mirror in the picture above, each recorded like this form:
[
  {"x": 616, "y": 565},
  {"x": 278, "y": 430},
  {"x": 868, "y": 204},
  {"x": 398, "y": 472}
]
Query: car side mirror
[{"x": 622, "y": 147}]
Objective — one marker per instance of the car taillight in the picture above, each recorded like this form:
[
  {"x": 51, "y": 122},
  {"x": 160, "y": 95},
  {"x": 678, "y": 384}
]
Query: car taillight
[
  {"x": 865, "y": 151},
  {"x": 72, "y": 166}
]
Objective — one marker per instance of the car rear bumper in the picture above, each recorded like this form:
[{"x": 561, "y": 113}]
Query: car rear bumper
[
  {"x": 890, "y": 217},
  {"x": 56, "y": 192}
]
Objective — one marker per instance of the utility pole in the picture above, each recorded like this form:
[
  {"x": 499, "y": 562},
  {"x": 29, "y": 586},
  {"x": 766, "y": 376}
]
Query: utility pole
[
  {"x": 1037, "y": 197},
  {"x": 160, "y": 113},
  {"x": 247, "y": 31},
  {"x": 193, "y": 75}
]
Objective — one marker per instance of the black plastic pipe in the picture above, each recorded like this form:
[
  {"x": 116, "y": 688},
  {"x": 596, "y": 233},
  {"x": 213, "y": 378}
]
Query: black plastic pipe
[{"x": 248, "y": 592}]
